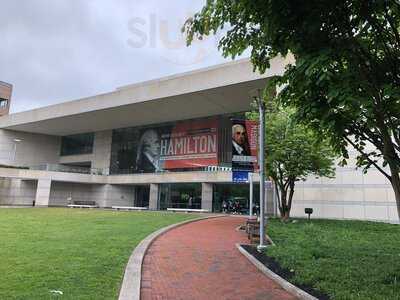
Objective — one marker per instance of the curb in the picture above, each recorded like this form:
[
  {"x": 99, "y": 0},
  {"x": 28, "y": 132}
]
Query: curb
[
  {"x": 130, "y": 288},
  {"x": 294, "y": 290}
]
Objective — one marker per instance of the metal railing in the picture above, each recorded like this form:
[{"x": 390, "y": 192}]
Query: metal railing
[
  {"x": 199, "y": 169},
  {"x": 106, "y": 171}
]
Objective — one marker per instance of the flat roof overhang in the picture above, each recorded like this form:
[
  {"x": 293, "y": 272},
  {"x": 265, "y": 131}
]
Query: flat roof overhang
[{"x": 212, "y": 91}]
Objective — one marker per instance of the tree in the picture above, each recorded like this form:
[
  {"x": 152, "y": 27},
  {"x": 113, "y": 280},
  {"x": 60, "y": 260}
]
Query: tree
[
  {"x": 293, "y": 152},
  {"x": 346, "y": 79}
]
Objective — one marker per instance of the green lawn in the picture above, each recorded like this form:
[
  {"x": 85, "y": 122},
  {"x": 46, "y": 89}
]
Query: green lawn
[
  {"x": 82, "y": 253},
  {"x": 344, "y": 259}
]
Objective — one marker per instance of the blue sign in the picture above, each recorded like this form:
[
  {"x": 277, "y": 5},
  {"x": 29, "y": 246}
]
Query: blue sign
[{"x": 240, "y": 176}]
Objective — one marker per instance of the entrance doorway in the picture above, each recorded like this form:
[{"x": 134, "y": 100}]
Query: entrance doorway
[
  {"x": 142, "y": 195},
  {"x": 182, "y": 195},
  {"x": 234, "y": 198}
]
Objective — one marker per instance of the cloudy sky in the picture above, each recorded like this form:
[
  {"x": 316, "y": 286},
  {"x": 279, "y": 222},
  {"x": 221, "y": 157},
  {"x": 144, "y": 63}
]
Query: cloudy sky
[{"x": 59, "y": 50}]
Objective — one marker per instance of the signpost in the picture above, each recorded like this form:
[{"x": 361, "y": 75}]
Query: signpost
[
  {"x": 240, "y": 176},
  {"x": 251, "y": 195},
  {"x": 244, "y": 161},
  {"x": 261, "y": 152}
]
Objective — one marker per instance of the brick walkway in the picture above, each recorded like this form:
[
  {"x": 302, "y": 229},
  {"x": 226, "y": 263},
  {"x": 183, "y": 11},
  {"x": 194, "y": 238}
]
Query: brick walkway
[{"x": 200, "y": 261}]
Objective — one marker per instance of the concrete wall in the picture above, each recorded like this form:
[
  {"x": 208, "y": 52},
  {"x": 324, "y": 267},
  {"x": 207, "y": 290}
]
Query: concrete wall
[
  {"x": 63, "y": 193},
  {"x": 105, "y": 195},
  {"x": 120, "y": 195},
  {"x": 17, "y": 191},
  {"x": 351, "y": 195},
  {"x": 102, "y": 150},
  {"x": 31, "y": 150}
]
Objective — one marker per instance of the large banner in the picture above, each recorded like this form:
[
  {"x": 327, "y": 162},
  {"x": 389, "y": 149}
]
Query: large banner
[
  {"x": 244, "y": 145},
  {"x": 186, "y": 144},
  {"x": 190, "y": 144}
]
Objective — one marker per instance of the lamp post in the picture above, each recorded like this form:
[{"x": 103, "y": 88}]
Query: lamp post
[
  {"x": 251, "y": 195},
  {"x": 261, "y": 110}
]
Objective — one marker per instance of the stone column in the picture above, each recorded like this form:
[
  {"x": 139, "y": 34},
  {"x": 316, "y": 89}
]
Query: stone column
[
  {"x": 153, "y": 197},
  {"x": 43, "y": 192},
  {"x": 206, "y": 196},
  {"x": 102, "y": 151},
  {"x": 102, "y": 194}
]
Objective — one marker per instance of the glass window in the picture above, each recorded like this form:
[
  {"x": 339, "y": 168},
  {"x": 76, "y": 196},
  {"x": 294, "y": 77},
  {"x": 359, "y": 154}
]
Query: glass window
[
  {"x": 142, "y": 195},
  {"x": 77, "y": 144},
  {"x": 151, "y": 149},
  {"x": 3, "y": 103},
  {"x": 182, "y": 195},
  {"x": 234, "y": 198}
]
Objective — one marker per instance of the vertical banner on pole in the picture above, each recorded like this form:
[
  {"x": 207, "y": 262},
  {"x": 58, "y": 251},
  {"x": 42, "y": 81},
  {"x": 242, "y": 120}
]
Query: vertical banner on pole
[
  {"x": 261, "y": 108},
  {"x": 244, "y": 149}
]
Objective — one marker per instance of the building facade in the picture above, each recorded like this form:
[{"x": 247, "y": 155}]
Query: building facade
[{"x": 101, "y": 149}]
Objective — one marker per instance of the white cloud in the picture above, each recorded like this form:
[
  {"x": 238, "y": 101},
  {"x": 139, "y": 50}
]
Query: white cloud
[{"x": 54, "y": 51}]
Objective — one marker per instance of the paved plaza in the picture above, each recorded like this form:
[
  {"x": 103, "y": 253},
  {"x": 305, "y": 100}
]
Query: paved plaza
[{"x": 200, "y": 261}]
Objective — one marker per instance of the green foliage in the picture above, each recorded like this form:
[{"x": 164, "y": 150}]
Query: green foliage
[
  {"x": 344, "y": 259},
  {"x": 293, "y": 152},
  {"x": 346, "y": 79},
  {"x": 83, "y": 253}
]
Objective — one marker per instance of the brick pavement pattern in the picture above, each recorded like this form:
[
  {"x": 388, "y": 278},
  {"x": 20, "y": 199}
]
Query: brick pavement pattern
[{"x": 200, "y": 261}]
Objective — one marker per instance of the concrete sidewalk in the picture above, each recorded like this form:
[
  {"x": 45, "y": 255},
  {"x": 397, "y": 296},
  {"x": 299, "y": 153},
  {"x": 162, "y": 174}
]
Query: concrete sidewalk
[{"x": 200, "y": 261}]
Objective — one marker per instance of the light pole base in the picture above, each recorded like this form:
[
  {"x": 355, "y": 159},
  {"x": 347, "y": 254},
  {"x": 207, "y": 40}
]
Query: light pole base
[{"x": 261, "y": 248}]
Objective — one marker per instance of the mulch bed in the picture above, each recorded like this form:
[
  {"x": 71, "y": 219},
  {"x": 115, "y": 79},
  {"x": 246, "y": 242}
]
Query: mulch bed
[{"x": 275, "y": 267}]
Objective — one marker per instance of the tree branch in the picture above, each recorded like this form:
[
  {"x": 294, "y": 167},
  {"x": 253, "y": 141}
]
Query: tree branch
[
  {"x": 389, "y": 19},
  {"x": 368, "y": 158},
  {"x": 292, "y": 183},
  {"x": 280, "y": 179}
]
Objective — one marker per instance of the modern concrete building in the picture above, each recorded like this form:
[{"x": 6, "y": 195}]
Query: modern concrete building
[
  {"x": 5, "y": 97},
  {"x": 100, "y": 149}
]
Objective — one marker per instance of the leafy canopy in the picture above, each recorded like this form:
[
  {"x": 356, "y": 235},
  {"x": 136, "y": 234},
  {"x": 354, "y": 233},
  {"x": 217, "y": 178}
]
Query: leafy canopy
[
  {"x": 293, "y": 150},
  {"x": 346, "y": 80}
]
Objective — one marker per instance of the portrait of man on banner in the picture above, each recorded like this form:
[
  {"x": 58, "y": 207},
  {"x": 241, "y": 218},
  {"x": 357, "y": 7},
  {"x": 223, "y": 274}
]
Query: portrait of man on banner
[
  {"x": 244, "y": 145},
  {"x": 240, "y": 141},
  {"x": 148, "y": 152}
]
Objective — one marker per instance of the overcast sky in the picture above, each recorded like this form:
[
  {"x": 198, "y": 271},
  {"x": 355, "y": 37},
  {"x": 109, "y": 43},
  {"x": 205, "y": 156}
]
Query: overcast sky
[{"x": 59, "y": 50}]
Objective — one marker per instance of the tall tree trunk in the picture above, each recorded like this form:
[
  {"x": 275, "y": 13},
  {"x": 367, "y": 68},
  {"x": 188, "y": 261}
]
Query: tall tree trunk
[
  {"x": 279, "y": 199},
  {"x": 286, "y": 216},
  {"x": 288, "y": 201},
  {"x": 395, "y": 181},
  {"x": 389, "y": 153},
  {"x": 392, "y": 158},
  {"x": 285, "y": 211},
  {"x": 291, "y": 193}
]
